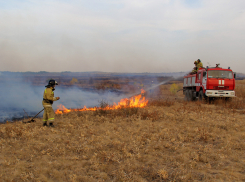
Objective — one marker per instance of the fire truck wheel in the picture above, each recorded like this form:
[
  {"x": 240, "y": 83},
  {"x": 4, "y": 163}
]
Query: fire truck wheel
[
  {"x": 186, "y": 96},
  {"x": 200, "y": 96},
  {"x": 190, "y": 95},
  {"x": 193, "y": 98}
]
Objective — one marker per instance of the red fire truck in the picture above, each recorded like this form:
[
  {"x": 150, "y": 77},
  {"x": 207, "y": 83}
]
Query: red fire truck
[{"x": 209, "y": 83}]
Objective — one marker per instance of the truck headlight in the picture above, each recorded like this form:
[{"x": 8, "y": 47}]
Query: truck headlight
[
  {"x": 232, "y": 93},
  {"x": 209, "y": 93}
]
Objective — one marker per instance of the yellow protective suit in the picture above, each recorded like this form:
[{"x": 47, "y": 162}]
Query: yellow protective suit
[
  {"x": 199, "y": 65},
  {"x": 48, "y": 99}
]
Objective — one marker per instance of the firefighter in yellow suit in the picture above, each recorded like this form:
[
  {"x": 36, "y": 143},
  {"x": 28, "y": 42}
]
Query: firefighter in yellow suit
[
  {"x": 199, "y": 64},
  {"x": 48, "y": 99}
]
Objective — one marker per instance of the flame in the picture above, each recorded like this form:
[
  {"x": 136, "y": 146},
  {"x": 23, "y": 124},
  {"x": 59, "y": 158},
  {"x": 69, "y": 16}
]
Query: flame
[{"x": 135, "y": 101}]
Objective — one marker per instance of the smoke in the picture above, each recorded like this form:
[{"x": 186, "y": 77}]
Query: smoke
[
  {"x": 78, "y": 98},
  {"x": 16, "y": 96}
]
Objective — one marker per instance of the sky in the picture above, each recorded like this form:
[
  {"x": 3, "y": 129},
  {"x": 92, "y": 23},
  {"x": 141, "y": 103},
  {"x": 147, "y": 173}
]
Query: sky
[{"x": 121, "y": 35}]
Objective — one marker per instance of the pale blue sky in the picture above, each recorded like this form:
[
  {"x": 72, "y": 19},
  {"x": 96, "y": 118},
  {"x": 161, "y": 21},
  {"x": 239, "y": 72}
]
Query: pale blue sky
[{"x": 121, "y": 35}]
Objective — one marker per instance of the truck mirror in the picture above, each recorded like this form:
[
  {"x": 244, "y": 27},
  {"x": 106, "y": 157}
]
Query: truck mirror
[{"x": 234, "y": 74}]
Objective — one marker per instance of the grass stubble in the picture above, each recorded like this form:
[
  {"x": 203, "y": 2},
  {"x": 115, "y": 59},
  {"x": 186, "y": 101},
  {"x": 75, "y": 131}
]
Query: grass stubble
[{"x": 169, "y": 140}]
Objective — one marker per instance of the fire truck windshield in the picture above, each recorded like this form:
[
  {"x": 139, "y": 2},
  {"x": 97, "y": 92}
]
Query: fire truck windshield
[{"x": 220, "y": 74}]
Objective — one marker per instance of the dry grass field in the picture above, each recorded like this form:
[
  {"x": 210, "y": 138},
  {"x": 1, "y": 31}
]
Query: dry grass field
[{"x": 169, "y": 140}]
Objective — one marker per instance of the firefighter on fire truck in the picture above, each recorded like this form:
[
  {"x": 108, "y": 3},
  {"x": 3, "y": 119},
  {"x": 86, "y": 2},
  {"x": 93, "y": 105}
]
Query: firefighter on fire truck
[
  {"x": 198, "y": 65},
  {"x": 48, "y": 99}
]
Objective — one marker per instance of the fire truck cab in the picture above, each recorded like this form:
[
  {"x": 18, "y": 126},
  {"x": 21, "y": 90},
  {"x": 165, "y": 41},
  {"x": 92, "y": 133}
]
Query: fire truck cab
[{"x": 213, "y": 82}]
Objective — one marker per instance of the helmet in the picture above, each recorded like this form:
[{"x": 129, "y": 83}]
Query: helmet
[
  {"x": 51, "y": 83},
  {"x": 199, "y": 60}
]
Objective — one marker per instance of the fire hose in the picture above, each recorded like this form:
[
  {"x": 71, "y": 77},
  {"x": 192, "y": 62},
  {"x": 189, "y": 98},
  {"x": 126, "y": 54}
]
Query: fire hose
[{"x": 32, "y": 120}]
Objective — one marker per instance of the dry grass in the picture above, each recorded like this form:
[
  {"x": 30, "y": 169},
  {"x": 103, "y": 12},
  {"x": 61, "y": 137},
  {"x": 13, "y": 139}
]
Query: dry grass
[{"x": 170, "y": 140}]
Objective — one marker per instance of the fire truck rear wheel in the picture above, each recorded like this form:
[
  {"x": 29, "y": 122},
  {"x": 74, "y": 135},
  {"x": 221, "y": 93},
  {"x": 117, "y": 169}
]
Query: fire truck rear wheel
[
  {"x": 190, "y": 95},
  {"x": 186, "y": 96},
  {"x": 200, "y": 96},
  {"x": 193, "y": 97}
]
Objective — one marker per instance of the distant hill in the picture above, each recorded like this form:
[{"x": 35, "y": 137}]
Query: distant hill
[
  {"x": 92, "y": 73},
  {"x": 240, "y": 76}
]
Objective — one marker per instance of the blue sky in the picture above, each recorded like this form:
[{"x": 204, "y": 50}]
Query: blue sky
[{"x": 121, "y": 35}]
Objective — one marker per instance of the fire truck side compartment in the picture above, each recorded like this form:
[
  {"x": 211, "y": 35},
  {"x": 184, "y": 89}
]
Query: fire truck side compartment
[
  {"x": 190, "y": 81},
  {"x": 193, "y": 81}
]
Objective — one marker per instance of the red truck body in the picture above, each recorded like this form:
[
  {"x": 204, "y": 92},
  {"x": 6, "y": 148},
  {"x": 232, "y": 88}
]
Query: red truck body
[{"x": 214, "y": 82}]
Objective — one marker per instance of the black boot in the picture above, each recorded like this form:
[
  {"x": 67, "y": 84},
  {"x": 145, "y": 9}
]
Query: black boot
[
  {"x": 45, "y": 124},
  {"x": 51, "y": 125}
]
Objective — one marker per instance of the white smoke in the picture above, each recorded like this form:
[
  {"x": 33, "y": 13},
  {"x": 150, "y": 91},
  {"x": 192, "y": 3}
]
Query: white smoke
[
  {"x": 78, "y": 98},
  {"x": 16, "y": 96}
]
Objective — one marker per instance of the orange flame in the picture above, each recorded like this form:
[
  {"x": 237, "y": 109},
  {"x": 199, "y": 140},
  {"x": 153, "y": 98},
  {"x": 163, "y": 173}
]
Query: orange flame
[{"x": 135, "y": 101}]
